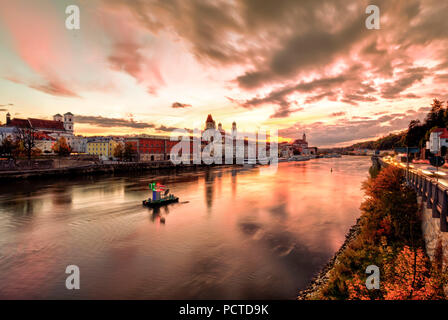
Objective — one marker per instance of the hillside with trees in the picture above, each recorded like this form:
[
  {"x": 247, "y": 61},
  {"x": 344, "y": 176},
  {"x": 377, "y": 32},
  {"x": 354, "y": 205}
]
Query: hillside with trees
[{"x": 417, "y": 133}]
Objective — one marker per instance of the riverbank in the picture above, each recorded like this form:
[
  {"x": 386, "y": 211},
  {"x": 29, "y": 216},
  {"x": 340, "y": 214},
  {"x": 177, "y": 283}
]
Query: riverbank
[
  {"x": 96, "y": 169},
  {"x": 321, "y": 279},
  {"x": 390, "y": 236}
]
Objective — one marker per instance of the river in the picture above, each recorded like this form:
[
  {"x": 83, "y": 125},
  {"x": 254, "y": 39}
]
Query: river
[{"x": 237, "y": 233}]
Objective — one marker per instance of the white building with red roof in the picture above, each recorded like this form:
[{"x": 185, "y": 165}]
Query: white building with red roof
[
  {"x": 60, "y": 126},
  {"x": 437, "y": 139},
  {"x": 55, "y": 126},
  {"x": 44, "y": 142}
]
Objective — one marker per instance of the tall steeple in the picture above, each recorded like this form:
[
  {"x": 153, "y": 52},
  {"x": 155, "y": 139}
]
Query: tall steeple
[
  {"x": 304, "y": 137},
  {"x": 69, "y": 122},
  {"x": 210, "y": 123}
]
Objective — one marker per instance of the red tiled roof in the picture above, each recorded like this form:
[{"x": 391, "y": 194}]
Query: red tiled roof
[
  {"x": 36, "y": 124},
  {"x": 21, "y": 123},
  {"x": 300, "y": 141},
  {"x": 439, "y": 130},
  {"x": 44, "y": 136},
  {"x": 46, "y": 124},
  {"x": 444, "y": 134},
  {"x": 209, "y": 118}
]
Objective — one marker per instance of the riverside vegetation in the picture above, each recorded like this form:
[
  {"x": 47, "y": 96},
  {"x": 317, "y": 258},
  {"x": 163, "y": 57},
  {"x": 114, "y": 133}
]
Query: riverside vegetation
[{"x": 388, "y": 235}]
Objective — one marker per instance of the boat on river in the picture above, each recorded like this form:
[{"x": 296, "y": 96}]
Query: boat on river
[{"x": 160, "y": 196}]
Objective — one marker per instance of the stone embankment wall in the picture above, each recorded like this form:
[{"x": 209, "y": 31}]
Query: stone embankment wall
[
  {"x": 432, "y": 234},
  {"x": 90, "y": 169}
]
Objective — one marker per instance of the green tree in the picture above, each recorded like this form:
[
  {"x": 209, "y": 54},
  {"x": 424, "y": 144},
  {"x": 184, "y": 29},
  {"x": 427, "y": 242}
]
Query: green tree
[
  {"x": 437, "y": 115},
  {"x": 413, "y": 136}
]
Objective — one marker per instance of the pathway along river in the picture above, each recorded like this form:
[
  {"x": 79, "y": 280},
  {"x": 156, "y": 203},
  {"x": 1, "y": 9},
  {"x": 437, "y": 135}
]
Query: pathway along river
[{"x": 237, "y": 233}]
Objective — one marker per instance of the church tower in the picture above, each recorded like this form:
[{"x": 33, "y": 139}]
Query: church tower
[
  {"x": 57, "y": 117},
  {"x": 68, "y": 122},
  {"x": 304, "y": 137},
  {"x": 210, "y": 123}
]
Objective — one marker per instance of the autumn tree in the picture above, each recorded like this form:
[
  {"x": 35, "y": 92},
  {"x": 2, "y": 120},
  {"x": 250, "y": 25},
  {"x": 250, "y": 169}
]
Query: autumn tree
[
  {"x": 408, "y": 275},
  {"x": 118, "y": 151},
  {"x": 62, "y": 148},
  {"x": 129, "y": 151},
  {"x": 26, "y": 137},
  {"x": 7, "y": 146}
]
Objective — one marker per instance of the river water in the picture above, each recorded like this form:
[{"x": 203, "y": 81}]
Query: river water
[{"x": 237, "y": 233}]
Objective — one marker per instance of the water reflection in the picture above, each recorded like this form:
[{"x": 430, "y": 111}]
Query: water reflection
[{"x": 236, "y": 232}]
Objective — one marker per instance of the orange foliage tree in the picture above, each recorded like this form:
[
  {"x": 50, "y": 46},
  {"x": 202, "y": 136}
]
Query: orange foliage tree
[{"x": 61, "y": 147}]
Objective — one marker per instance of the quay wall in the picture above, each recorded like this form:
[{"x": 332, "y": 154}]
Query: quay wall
[{"x": 94, "y": 169}]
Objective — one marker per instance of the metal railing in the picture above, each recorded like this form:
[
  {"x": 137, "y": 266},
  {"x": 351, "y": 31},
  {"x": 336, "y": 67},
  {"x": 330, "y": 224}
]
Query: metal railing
[{"x": 432, "y": 192}]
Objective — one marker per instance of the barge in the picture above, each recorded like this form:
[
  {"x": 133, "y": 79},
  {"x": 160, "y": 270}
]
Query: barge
[{"x": 158, "y": 199}]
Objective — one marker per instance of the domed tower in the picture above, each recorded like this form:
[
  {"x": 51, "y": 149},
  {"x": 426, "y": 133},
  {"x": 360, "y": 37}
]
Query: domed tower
[
  {"x": 57, "y": 117},
  {"x": 8, "y": 118},
  {"x": 221, "y": 130},
  {"x": 233, "y": 128},
  {"x": 69, "y": 124},
  {"x": 210, "y": 123}
]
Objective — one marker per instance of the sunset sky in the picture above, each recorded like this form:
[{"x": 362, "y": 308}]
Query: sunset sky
[{"x": 299, "y": 66}]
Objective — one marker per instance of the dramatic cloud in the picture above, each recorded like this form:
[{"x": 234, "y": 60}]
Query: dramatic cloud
[
  {"x": 180, "y": 105},
  {"x": 322, "y": 86},
  {"x": 112, "y": 122},
  {"x": 409, "y": 77},
  {"x": 349, "y": 130},
  {"x": 261, "y": 62},
  {"x": 279, "y": 42}
]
